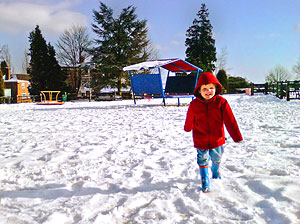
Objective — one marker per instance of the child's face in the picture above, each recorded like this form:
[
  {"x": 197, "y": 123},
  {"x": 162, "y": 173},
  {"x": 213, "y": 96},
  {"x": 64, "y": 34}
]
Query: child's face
[{"x": 207, "y": 91}]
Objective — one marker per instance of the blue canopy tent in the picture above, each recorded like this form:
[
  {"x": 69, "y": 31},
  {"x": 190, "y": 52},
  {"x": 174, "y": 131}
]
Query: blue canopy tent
[{"x": 145, "y": 85}]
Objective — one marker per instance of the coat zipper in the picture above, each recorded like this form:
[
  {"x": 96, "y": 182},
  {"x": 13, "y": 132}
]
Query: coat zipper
[{"x": 208, "y": 127}]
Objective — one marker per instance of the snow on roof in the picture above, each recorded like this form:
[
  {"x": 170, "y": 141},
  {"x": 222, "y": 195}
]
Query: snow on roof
[
  {"x": 148, "y": 64},
  {"x": 15, "y": 80},
  {"x": 173, "y": 65}
]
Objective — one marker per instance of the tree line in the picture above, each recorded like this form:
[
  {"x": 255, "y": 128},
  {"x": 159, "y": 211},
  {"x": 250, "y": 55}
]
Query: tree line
[{"x": 120, "y": 41}]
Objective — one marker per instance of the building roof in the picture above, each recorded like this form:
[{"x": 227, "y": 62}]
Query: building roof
[
  {"x": 15, "y": 80},
  {"x": 173, "y": 65},
  {"x": 18, "y": 78}
]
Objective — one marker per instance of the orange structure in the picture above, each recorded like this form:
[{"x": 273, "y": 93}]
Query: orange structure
[
  {"x": 47, "y": 98},
  {"x": 18, "y": 90}
]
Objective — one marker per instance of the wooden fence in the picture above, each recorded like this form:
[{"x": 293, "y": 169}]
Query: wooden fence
[{"x": 289, "y": 90}]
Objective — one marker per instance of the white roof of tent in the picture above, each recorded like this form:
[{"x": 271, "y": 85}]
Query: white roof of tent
[
  {"x": 173, "y": 65},
  {"x": 149, "y": 64}
]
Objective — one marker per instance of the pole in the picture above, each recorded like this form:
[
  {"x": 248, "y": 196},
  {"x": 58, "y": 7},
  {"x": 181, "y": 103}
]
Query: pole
[
  {"x": 89, "y": 74},
  {"x": 288, "y": 91}
]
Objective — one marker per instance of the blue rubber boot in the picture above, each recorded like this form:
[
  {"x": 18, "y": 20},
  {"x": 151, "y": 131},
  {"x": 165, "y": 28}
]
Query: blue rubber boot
[
  {"x": 215, "y": 171},
  {"x": 204, "y": 179}
]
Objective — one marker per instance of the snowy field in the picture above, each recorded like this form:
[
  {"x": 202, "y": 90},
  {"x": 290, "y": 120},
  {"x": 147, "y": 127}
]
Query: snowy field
[{"x": 116, "y": 162}]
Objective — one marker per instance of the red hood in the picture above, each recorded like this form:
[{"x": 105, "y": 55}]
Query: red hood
[{"x": 204, "y": 79}]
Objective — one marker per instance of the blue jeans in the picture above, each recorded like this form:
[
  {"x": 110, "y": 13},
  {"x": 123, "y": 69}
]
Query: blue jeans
[{"x": 204, "y": 155}]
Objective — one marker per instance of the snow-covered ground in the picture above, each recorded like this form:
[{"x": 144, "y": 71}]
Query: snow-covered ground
[{"x": 116, "y": 162}]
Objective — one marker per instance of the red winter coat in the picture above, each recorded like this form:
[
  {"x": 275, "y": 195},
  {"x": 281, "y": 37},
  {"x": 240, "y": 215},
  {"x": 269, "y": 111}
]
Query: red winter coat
[{"x": 207, "y": 118}]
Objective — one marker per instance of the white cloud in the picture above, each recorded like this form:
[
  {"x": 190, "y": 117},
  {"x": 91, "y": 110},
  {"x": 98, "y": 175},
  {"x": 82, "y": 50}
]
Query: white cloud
[
  {"x": 160, "y": 47},
  {"x": 267, "y": 36},
  {"x": 297, "y": 27},
  {"x": 175, "y": 42},
  {"x": 181, "y": 34},
  {"x": 19, "y": 16}
]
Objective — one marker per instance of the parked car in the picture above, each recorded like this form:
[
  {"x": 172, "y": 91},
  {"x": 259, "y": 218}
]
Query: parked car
[{"x": 107, "y": 96}]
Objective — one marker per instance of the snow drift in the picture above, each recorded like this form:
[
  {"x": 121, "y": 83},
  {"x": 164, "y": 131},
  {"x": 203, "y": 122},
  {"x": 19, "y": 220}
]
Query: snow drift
[{"x": 116, "y": 162}]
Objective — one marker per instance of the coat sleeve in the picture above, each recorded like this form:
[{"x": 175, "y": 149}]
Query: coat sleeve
[
  {"x": 189, "y": 121},
  {"x": 231, "y": 124}
]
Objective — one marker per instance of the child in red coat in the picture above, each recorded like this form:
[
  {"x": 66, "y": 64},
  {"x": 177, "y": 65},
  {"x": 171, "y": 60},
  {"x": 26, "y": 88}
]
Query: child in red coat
[{"x": 206, "y": 117}]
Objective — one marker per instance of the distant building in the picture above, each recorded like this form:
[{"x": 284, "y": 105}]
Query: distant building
[
  {"x": 79, "y": 78},
  {"x": 16, "y": 87}
]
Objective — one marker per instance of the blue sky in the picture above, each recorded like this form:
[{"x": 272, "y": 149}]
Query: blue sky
[{"x": 257, "y": 35}]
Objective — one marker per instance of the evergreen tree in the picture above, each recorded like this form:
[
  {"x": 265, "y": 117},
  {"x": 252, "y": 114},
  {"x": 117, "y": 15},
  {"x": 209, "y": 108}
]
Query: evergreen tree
[
  {"x": 121, "y": 42},
  {"x": 45, "y": 71},
  {"x": 201, "y": 50},
  {"x": 222, "y": 77},
  {"x": 57, "y": 77},
  {"x": 4, "y": 69},
  {"x": 234, "y": 83},
  {"x": 1, "y": 83}
]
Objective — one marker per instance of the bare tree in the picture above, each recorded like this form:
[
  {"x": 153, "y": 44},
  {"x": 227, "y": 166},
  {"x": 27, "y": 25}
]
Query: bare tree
[
  {"x": 221, "y": 63},
  {"x": 151, "y": 52},
  {"x": 296, "y": 69},
  {"x": 278, "y": 73},
  {"x": 5, "y": 55},
  {"x": 25, "y": 64},
  {"x": 73, "y": 46}
]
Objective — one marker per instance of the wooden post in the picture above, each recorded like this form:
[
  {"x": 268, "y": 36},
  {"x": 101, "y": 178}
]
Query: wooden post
[
  {"x": 281, "y": 90},
  {"x": 266, "y": 88},
  {"x": 252, "y": 88},
  {"x": 287, "y": 91},
  {"x": 298, "y": 89}
]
